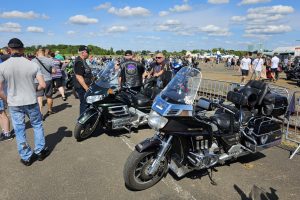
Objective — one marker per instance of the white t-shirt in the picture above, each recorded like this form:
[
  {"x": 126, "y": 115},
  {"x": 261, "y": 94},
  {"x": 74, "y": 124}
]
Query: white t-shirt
[
  {"x": 245, "y": 63},
  {"x": 275, "y": 62},
  {"x": 257, "y": 64}
]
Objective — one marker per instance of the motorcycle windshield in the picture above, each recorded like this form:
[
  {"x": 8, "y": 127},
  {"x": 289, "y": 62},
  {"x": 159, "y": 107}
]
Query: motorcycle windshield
[
  {"x": 109, "y": 76},
  {"x": 183, "y": 87}
]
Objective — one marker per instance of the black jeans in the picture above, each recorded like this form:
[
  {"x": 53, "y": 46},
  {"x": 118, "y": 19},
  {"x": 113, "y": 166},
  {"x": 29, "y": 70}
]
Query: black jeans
[{"x": 83, "y": 104}]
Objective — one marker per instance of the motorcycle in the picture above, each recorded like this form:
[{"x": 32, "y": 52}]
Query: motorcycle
[
  {"x": 112, "y": 108},
  {"x": 195, "y": 134}
]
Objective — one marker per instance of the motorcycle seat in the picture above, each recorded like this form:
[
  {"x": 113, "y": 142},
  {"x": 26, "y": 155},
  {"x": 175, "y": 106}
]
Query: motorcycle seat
[
  {"x": 142, "y": 100},
  {"x": 222, "y": 120}
]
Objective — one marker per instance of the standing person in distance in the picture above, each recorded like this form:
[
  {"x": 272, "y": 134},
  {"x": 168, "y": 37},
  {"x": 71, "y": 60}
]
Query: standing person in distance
[
  {"x": 83, "y": 76},
  {"x": 46, "y": 67},
  {"x": 274, "y": 66},
  {"x": 245, "y": 67},
  {"x": 258, "y": 66},
  {"x": 19, "y": 74},
  {"x": 131, "y": 73}
]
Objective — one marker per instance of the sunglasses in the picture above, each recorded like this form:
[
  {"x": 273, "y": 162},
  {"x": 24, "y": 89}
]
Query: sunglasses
[
  {"x": 158, "y": 57},
  {"x": 128, "y": 55}
]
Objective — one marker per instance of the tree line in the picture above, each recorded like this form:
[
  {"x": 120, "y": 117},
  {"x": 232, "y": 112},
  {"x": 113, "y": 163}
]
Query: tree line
[{"x": 95, "y": 50}]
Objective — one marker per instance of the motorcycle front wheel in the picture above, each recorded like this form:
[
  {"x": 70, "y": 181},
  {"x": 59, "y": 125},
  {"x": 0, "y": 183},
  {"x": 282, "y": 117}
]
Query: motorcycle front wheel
[
  {"x": 83, "y": 131},
  {"x": 135, "y": 170}
]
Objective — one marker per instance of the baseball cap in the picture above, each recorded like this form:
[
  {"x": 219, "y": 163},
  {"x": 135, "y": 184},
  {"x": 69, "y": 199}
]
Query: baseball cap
[
  {"x": 84, "y": 48},
  {"x": 15, "y": 43},
  {"x": 128, "y": 52}
]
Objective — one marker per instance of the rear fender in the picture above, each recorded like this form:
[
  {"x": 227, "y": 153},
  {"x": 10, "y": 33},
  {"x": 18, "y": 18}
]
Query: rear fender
[
  {"x": 88, "y": 114},
  {"x": 149, "y": 143}
]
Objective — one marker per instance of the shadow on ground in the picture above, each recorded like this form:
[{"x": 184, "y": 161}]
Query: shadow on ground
[
  {"x": 257, "y": 194},
  {"x": 54, "y": 138}
]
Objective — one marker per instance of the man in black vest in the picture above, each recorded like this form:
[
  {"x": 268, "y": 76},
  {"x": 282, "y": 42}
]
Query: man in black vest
[
  {"x": 131, "y": 73},
  {"x": 83, "y": 77}
]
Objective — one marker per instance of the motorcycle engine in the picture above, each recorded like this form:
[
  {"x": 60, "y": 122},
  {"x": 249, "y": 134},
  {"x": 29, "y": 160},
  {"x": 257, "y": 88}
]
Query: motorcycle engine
[{"x": 204, "y": 157}]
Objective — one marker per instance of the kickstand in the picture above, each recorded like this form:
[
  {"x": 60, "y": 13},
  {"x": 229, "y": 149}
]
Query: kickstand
[
  {"x": 129, "y": 130},
  {"x": 210, "y": 175}
]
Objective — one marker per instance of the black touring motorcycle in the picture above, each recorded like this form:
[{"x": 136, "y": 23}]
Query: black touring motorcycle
[
  {"x": 114, "y": 109},
  {"x": 193, "y": 135}
]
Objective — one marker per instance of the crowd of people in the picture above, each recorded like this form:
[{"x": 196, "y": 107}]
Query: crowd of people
[{"x": 25, "y": 81}]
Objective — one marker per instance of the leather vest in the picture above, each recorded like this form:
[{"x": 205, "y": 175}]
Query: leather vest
[{"x": 132, "y": 75}]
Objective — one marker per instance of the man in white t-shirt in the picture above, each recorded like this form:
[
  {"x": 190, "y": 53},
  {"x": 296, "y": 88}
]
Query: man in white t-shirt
[
  {"x": 257, "y": 66},
  {"x": 245, "y": 67},
  {"x": 274, "y": 66}
]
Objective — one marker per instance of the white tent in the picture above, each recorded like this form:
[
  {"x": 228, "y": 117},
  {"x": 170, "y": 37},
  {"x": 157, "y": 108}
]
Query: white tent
[{"x": 285, "y": 50}]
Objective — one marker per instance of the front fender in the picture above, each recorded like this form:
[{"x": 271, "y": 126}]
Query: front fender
[
  {"x": 149, "y": 143},
  {"x": 88, "y": 114}
]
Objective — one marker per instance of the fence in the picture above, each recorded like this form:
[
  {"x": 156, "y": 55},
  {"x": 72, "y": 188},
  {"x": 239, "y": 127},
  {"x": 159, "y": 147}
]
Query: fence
[{"x": 292, "y": 132}]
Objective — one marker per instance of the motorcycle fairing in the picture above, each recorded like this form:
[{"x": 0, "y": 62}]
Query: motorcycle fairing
[{"x": 165, "y": 108}]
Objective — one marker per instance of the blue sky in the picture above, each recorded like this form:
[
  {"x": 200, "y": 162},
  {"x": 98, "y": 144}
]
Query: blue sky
[{"x": 152, "y": 25}]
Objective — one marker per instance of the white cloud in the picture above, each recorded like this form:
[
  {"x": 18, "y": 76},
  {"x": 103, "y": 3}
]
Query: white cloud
[
  {"x": 105, "y": 5},
  {"x": 82, "y": 19},
  {"x": 268, "y": 30},
  {"x": 10, "y": 27},
  {"x": 51, "y": 34},
  {"x": 238, "y": 19},
  {"x": 262, "y": 22},
  {"x": 71, "y": 32},
  {"x": 128, "y": 11},
  {"x": 279, "y": 9},
  {"x": 22, "y": 15},
  {"x": 163, "y": 13},
  {"x": 247, "y": 2},
  {"x": 218, "y": 1},
  {"x": 215, "y": 30},
  {"x": 185, "y": 33},
  {"x": 181, "y": 8},
  {"x": 117, "y": 29},
  {"x": 148, "y": 37},
  {"x": 171, "y": 25},
  {"x": 35, "y": 29}
]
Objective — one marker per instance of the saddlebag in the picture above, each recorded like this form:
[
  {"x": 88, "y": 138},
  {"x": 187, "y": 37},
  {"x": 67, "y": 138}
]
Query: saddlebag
[
  {"x": 274, "y": 105},
  {"x": 264, "y": 130}
]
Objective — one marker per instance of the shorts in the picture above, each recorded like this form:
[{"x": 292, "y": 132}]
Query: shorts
[
  {"x": 245, "y": 72},
  {"x": 257, "y": 74},
  {"x": 48, "y": 91},
  {"x": 58, "y": 82},
  {"x": 2, "y": 105},
  {"x": 273, "y": 69}
]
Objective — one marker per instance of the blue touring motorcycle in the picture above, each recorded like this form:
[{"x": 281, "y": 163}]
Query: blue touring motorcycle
[{"x": 193, "y": 134}]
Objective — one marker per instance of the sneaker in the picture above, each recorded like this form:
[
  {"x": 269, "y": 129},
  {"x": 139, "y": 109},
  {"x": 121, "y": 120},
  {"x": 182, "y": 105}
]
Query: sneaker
[
  {"x": 64, "y": 98},
  {"x": 50, "y": 112},
  {"x": 43, "y": 154},
  {"x": 29, "y": 161},
  {"x": 4, "y": 137}
]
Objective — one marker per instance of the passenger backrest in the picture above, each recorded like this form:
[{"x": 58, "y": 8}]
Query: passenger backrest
[{"x": 261, "y": 87}]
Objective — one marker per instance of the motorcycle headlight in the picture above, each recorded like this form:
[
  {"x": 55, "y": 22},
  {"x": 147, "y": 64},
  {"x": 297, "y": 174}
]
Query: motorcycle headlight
[
  {"x": 94, "y": 98},
  {"x": 156, "y": 121}
]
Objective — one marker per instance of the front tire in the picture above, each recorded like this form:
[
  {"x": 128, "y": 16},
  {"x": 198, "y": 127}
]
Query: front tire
[
  {"x": 134, "y": 173},
  {"x": 84, "y": 131}
]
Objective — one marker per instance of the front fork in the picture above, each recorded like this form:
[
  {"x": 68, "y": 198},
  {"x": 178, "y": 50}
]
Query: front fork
[{"x": 152, "y": 169}]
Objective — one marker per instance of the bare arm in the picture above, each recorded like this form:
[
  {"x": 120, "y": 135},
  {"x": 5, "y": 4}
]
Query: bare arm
[
  {"x": 2, "y": 95},
  {"x": 81, "y": 81},
  {"x": 41, "y": 81}
]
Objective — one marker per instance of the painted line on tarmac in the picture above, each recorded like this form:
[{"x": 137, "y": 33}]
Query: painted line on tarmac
[{"x": 184, "y": 194}]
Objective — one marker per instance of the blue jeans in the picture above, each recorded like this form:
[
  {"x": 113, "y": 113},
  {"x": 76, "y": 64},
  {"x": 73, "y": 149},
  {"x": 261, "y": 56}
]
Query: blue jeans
[
  {"x": 18, "y": 120},
  {"x": 83, "y": 104}
]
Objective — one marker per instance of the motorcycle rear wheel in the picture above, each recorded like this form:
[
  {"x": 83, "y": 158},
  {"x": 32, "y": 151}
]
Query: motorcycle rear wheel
[
  {"x": 84, "y": 131},
  {"x": 134, "y": 170}
]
